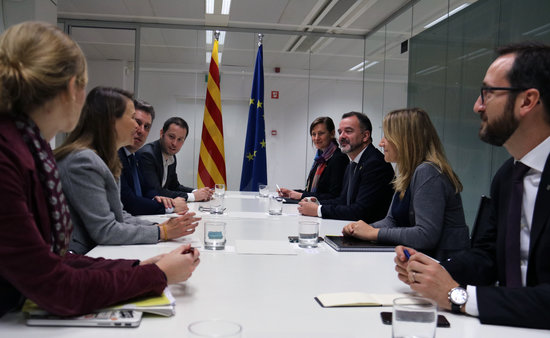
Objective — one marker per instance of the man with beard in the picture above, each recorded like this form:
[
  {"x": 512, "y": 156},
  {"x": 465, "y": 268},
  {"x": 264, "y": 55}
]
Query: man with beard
[
  {"x": 136, "y": 197},
  {"x": 158, "y": 163},
  {"x": 504, "y": 278},
  {"x": 366, "y": 190}
]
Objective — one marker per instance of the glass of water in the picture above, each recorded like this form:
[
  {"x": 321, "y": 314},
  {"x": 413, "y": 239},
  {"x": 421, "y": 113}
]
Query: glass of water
[
  {"x": 214, "y": 235},
  {"x": 275, "y": 205},
  {"x": 219, "y": 189},
  {"x": 215, "y": 328},
  {"x": 414, "y": 317},
  {"x": 308, "y": 233},
  {"x": 263, "y": 190}
]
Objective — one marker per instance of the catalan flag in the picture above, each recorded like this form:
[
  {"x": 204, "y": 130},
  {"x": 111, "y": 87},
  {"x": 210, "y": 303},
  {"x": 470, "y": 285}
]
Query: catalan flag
[
  {"x": 212, "y": 153},
  {"x": 254, "y": 162}
]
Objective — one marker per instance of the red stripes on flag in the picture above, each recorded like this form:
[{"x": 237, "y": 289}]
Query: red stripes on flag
[{"x": 212, "y": 154}]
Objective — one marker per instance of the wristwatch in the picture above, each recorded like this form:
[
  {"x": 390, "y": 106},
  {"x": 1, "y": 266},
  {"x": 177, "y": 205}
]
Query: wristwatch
[{"x": 457, "y": 296}]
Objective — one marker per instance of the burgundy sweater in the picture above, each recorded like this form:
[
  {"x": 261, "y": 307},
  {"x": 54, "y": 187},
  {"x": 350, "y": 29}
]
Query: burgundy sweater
[{"x": 68, "y": 285}]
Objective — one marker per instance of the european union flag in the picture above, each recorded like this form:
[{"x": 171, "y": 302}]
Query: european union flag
[{"x": 254, "y": 162}]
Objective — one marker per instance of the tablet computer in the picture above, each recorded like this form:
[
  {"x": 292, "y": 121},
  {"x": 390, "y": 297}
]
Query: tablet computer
[
  {"x": 108, "y": 318},
  {"x": 352, "y": 244}
]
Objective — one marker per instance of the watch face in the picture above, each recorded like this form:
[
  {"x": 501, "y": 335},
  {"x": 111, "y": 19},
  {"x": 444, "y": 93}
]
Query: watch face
[{"x": 459, "y": 296}]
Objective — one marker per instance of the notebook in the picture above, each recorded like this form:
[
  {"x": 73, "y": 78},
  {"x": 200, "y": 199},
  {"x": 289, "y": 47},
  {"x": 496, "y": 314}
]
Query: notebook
[
  {"x": 352, "y": 244},
  {"x": 352, "y": 299},
  {"x": 109, "y": 318}
]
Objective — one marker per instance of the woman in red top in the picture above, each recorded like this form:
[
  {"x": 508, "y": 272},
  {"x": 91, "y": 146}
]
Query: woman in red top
[{"x": 42, "y": 89}]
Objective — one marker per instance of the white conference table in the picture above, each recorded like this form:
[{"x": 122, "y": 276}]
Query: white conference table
[{"x": 269, "y": 295}]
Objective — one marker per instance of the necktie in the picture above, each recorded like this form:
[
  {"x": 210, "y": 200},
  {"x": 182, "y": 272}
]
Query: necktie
[
  {"x": 512, "y": 259},
  {"x": 352, "y": 167},
  {"x": 135, "y": 177}
]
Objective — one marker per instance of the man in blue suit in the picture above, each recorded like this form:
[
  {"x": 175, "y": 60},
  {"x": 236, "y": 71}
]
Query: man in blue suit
[
  {"x": 138, "y": 198},
  {"x": 504, "y": 279},
  {"x": 366, "y": 190}
]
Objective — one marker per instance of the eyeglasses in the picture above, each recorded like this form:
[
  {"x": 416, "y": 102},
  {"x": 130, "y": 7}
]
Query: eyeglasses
[{"x": 484, "y": 91}]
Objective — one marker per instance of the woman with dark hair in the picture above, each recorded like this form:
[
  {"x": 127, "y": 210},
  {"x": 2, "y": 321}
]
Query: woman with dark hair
[
  {"x": 325, "y": 177},
  {"x": 426, "y": 212},
  {"x": 90, "y": 168},
  {"x": 42, "y": 88}
]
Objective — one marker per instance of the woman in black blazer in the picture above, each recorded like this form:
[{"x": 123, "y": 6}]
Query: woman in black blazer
[{"x": 325, "y": 177}]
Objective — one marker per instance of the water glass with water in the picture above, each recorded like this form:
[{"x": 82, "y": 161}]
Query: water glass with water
[
  {"x": 263, "y": 190},
  {"x": 414, "y": 317},
  {"x": 308, "y": 233},
  {"x": 214, "y": 235},
  {"x": 275, "y": 205},
  {"x": 215, "y": 328}
]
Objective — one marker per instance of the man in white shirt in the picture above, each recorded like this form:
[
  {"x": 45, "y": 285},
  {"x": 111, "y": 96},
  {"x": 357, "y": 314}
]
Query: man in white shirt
[{"x": 504, "y": 278}]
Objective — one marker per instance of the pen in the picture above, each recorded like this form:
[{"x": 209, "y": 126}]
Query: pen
[
  {"x": 407, "y": 254},
  {"x": 190, "y": 250},
  {"x": 278, "y": 188}
]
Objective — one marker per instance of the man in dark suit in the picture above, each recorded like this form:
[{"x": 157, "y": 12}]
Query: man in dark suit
[
  {"x": 504, "y": 278},
  {"x": 367, "y": 190},
  {"x": 138, "y": 198},
  {"x": 158, "y": 163}
]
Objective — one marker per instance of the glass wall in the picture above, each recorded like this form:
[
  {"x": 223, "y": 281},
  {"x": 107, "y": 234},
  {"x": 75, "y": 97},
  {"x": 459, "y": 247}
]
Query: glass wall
[{"x": 447, "y": 63}]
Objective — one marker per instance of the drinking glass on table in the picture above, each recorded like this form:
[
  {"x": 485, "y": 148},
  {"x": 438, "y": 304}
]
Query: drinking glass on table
[
  {"x": 308, "y": 234},
  {"x": 214, "y": 235},
  {"x": 414, "y": 317},
  {"x": 219, "y": 189},
  {"x": 263, "y": 190},
  {"x": 215, "y": 328}
]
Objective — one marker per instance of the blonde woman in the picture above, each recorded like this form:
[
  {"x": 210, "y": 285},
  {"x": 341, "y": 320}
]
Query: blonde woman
[
  {"x": 42, "y": 88},
  {"x": 426, "y": 212}
]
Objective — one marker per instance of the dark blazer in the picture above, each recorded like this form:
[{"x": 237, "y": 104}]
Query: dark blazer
[
  {"x": 136, "y": 205},
  {"x": 152, "y": 169},
  {"x": 371, "y": 190},
  {"x": 484, "y": 264},
  {"x": 330, "y": 182}
]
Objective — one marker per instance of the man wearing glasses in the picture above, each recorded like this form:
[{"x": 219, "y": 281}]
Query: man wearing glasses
[{"x": 504, "y": 278}]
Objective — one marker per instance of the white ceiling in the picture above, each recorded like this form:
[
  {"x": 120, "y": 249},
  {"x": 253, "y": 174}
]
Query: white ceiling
[{"x": 276, "y": 19}]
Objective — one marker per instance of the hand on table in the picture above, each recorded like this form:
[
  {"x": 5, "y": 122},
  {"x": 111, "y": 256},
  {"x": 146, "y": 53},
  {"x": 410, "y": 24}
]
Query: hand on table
[
  {"x": 361, "y": 230},
  {"x": 177, "y": 266}
]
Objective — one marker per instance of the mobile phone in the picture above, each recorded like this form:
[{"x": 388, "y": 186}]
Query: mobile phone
[{"x": 441, "y": 320}]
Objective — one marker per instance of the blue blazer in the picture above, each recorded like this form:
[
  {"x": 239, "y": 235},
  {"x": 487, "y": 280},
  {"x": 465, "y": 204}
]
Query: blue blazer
[
  {"x": 152, "y": 170},
  {"x": 132, "y": 203},
  {"x": 372, "y": 190},
  {"x": 484, "y": 264}
]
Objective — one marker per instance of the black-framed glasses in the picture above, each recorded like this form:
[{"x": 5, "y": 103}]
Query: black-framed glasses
[{"x": 485, "y": 90}]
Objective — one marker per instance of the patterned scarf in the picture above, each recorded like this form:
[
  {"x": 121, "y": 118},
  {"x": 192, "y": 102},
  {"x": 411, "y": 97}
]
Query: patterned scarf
[
  {"x": 320, "y": 161},
  {"x": 60, "y": 218}
]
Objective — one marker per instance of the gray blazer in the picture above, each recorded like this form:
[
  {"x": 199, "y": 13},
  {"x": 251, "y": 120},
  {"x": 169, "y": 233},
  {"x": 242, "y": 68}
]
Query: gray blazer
[
  {"x": 94, "y": 201},
  {"x": 436, "y": 216}
]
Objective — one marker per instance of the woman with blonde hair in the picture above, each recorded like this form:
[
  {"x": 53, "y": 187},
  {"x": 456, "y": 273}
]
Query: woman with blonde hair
[
  {"x": 426, "y": 212},
  {"x": 42, "y": 88}
]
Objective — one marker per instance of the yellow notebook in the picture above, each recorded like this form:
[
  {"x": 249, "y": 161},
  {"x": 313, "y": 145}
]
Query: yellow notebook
[
  {"x": 357, "y": 299},
  {"x": 163, "y": 305}
]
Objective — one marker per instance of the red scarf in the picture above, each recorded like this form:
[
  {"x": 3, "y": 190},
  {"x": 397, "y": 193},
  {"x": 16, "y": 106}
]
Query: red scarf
[{"x": 60, "y": 218}]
